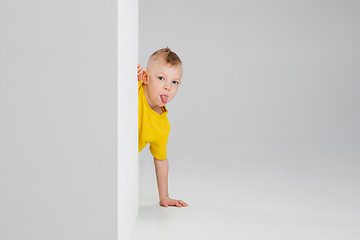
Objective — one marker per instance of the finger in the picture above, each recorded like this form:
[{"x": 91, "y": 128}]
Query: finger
[
  {"x": 178, "y": 204},
  {"x": 183, "y": 203}
]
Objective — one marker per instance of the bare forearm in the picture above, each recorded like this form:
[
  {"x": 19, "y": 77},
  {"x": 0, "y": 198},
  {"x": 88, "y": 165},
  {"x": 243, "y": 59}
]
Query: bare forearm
[{"x": 162, "y": 170}]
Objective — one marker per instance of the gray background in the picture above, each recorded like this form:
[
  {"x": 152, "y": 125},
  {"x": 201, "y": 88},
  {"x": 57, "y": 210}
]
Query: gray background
[
  {"x": 266, "y": 121},
  {"x": 58, "y": 120},
  {"x": 271, "y": 82}
]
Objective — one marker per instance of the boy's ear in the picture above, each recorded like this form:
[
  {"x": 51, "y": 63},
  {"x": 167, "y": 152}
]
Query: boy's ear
[{"x": 145, "y": 77}]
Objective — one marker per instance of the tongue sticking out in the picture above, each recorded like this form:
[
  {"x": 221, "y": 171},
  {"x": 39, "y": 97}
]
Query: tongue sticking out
[{"x": 164, "y": 98}]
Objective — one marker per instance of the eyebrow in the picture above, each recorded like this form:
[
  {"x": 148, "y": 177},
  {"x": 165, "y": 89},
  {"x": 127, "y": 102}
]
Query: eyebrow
[
  {"x": 177, "y": 79},
  {"x": 164, "y": 74}
]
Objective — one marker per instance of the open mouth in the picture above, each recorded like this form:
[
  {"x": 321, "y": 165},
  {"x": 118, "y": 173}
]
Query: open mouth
[{"x": 164, "y": 98}]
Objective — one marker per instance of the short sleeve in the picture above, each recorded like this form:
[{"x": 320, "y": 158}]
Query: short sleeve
[
  {"x": 158, "y": 147},
  {"x": 139, "y": 85}
]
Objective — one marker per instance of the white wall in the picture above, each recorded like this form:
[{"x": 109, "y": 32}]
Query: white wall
[
  {"x": 127, "y": 115},
  {"x": 60, "y": 152}
]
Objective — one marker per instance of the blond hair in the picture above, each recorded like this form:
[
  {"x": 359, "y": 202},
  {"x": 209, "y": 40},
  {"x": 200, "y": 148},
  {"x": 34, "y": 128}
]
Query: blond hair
[{"x": 166, "y": 55}]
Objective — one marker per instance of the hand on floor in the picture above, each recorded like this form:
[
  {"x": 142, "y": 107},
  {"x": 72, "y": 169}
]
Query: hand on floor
[{"x": 166, "y": 201}]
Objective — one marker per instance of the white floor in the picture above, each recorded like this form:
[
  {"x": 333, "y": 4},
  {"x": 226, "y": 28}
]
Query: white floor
[{"x": 249, "y": 201}]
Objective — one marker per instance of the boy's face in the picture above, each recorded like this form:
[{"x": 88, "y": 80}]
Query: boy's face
[{"x": 162, "y": 83}]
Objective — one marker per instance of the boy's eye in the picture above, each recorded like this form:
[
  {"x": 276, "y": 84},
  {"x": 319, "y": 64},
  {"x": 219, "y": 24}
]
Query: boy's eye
[
  {"x": 161, "y": 78},
  {"x": 175, "y": 82}
]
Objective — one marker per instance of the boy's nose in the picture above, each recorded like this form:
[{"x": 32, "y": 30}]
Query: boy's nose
[{"x": 167, "y": 86}]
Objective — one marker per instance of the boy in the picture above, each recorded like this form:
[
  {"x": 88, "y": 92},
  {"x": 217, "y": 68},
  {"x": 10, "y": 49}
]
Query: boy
[{"x": 158, "y": 85}]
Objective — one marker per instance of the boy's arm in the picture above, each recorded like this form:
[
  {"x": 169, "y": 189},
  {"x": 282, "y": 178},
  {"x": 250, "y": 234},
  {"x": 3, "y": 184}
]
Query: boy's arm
[{"x": 162, "y": 170}]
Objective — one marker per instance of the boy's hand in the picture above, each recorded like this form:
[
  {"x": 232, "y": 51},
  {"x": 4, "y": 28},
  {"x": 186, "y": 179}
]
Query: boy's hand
[
  {"x": 139, "y": 72},
  {"x": 166, "y": 201}
]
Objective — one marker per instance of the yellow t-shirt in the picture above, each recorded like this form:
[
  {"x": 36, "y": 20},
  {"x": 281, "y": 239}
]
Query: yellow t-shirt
[{"x": 153, "y": 128}]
